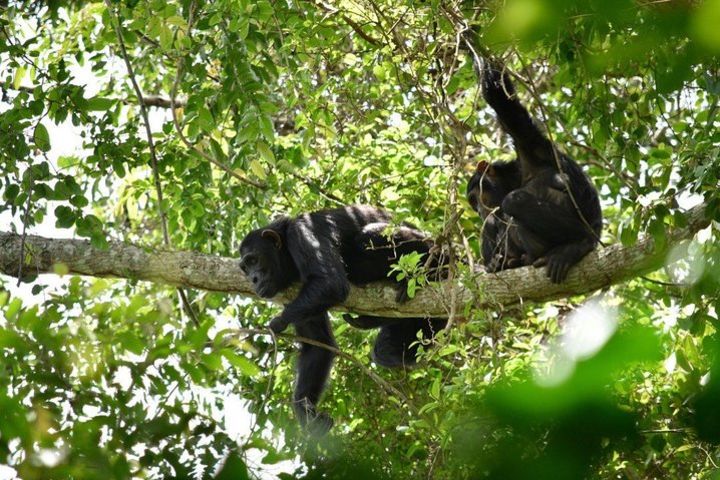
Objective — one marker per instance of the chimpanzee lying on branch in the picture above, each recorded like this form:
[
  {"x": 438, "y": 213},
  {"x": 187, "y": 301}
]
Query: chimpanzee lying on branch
[
  {"x": 326, "y": 251},
  {"x": 539, "y": 209}
]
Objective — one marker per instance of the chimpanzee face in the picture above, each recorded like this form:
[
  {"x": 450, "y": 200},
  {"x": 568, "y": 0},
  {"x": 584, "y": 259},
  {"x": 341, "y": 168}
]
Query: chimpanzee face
[
  {"x": 489, "y": 185},
  {"x": 483, "y": 193},
  {"x": 473, "y": 192},
  {"x": 263, "y": 263}
]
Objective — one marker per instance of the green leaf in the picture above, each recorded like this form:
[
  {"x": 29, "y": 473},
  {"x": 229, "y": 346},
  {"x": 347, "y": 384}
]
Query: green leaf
[
  {"x": 65, "y": 217},
  {"x": 245, "y": 366},
  {"x": 11, "y": 192},
  {"x": 265, "y": 152},
  {"x": 233, "y": 469},
  {"x": 166, "y": 37},
  {"x": 19, "y": 74},
  {"x": 131, "y": 342},
  {"x": 705, "y": 23},
  {"x": 435, "y": 389},
  {"x": 98, "y": 104},
  {"x": 257, "y": 168},
  {"x": 176, "y": 21},
  {"x": 212, "y": 361},
  {"x": 12, "y": 309},
  {"x": 41, "y": 137}
]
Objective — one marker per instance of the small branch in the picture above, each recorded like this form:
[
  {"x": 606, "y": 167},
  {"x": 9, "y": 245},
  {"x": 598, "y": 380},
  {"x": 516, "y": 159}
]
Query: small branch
[
  {"x": 153, "y": 153},
  {"x": 161, "y": 102},
  {"x": 351, "y": 23},
  {"x": 283, "y": 125},
  {"x": 358, "y": 29},
  {"x": 313, "y": 184},
  {"x": 373, "y": 376}
]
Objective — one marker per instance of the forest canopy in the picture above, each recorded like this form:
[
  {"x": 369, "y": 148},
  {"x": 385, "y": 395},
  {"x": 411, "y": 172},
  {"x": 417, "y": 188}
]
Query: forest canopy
[{"x": 140, "y": 140}]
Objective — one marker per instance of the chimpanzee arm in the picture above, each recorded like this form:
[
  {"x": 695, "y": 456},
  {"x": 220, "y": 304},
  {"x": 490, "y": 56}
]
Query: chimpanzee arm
[
  {"x": 499, "y": 92},
  {"x": 490, "y": 235},
  {"x": 323, "y": 277},
  {"x": 313, "y": 369}
]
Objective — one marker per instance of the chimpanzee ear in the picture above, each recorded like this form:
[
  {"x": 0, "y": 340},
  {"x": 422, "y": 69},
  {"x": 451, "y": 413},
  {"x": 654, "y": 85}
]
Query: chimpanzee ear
[
  {"x": 272, "y": 235},
  {"x": 482, "y": 166}
]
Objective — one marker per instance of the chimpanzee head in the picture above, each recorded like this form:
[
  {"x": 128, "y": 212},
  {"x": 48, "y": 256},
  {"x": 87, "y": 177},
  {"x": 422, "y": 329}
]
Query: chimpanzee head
[
  {"x": 266, "y": 262},
  {"x": 490, "y": 183}
]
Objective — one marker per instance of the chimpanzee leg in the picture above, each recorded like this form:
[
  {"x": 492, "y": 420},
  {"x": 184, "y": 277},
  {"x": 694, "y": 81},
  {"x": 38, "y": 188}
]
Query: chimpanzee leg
[
  {"x": 531, "y": 245},
  {"x": 395, "y": 345},
  {"x": 551, "y": 235},
  {"x": 313, "y": 369}
]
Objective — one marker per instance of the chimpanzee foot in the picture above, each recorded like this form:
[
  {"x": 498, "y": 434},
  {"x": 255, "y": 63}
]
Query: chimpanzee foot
[
  {"x": 558, "y": 268},
  {"x": 391, "y": 351},
  {"x": 557, "y": 265}
]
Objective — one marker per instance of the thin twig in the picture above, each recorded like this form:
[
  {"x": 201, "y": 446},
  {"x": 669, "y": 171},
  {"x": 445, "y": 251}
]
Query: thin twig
[
  {"x": 374, "y": 376},
  {"x": 153, "y": 153},
  {"x": 352, "y": 23},
  {"x": 666, "y": 430},
  {"x": 314, "y": 184}
]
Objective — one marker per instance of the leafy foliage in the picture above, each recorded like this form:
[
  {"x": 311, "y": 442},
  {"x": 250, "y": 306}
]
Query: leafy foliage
[{"x": 294, "y": 106}]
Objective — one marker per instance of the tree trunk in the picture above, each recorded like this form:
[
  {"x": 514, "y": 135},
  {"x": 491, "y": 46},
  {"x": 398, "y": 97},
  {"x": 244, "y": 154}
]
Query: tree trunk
[{"x": 601, "y": 268}]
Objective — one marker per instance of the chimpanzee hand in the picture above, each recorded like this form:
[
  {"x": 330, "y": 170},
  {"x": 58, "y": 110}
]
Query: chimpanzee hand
[
  {"x": 316, "y": 423},
  {"x": 320, "y": 424},
  {"x": 560, "y": 181},
  {"x": 401, "y": 293},
  {"x": 558, "y": 266},
  {"x": 496, "y": 82},
  {"x": 499, "y": 263},
  {"x": 279, "y": 324}
]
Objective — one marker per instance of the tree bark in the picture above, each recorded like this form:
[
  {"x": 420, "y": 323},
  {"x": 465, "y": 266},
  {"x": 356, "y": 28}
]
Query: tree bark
[{"x": 599, "y": 269}]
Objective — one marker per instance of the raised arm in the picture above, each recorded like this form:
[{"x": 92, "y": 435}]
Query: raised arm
[{"x": 532, "y": 145}]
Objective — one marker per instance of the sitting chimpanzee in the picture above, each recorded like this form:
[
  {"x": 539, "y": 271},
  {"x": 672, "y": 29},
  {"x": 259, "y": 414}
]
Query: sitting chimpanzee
[
  {"x": 555, "y": 213},
  {"x": 326, "y": 251}
]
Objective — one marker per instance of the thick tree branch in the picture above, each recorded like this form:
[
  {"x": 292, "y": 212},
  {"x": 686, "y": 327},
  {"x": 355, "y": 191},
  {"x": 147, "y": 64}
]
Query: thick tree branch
[
  {"x": 599, "y": 269},
  {"x": 161, "y": 102}
]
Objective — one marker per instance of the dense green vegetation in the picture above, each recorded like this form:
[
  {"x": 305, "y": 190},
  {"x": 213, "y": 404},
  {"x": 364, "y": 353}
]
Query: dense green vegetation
[{"x": 286, "y": 106}]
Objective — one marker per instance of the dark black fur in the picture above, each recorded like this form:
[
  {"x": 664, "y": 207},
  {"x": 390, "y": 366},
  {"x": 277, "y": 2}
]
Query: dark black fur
[
  {"x": 485, "y": 192},
  {"x": 547, "y": 225},
  {"x": 326, "y": 251}
]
